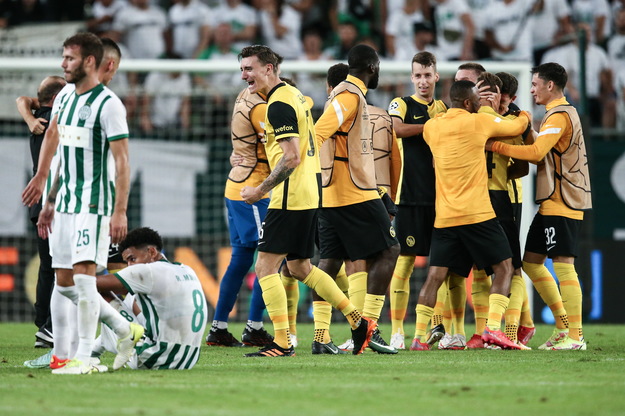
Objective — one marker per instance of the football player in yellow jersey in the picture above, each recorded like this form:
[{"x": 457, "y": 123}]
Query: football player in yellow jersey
[
  {"x": 499, "y": 170},
  {"x": 466, "y": 230},
  {"x": 563, "y": 192},
  {"x": 290, "y": 225},
  {"x": 508, "y": 109},
  {"x": 415, "y": 198},
  {"x": 353, "y": 223}
]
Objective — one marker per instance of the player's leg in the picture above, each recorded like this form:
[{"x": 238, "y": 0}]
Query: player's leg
[
  {"x": 425, "y": 306},
  {"x": 45, "y": 286},
  {"x": 291, "y": 285},
  {"x": 544, "y": 283}
]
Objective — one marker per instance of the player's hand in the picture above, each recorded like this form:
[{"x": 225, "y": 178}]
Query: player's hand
[
  {"x": 118, "y": 227},
  {"x": 251, "y": 194},
  {"x": 44, "y": 222},
  {"x": 235, "y": 160},
  {"x": 489, "y": 145},
  {"x": 37, "y": 125},
  {"x": 33, "y": 191}
]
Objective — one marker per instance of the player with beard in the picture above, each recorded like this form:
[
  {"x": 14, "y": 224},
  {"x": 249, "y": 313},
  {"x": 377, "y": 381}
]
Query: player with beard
[
  {"x": 92, "y": 201},
  {"x": 353, "y": 222}
]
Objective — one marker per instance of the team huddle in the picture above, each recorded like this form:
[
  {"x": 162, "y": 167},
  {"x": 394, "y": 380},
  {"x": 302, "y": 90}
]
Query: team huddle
[{"x": 371, "y": 189}]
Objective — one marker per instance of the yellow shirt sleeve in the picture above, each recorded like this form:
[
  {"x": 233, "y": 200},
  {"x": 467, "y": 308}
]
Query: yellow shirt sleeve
[
  {"x": 341, "y": 109},
  {"x": 550, "y": 133}
]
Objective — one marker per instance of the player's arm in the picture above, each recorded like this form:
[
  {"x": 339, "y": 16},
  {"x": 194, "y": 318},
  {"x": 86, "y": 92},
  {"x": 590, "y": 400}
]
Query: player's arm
[
  {"x": 343, "y": 107},
  {"x": 396, "y": 165},
  {"x": 518, "y": 168},
  {"x": 119, "y": 221},
  {"x": 33, "y": 191},
  {"x": 549, "y": 135},
  {"x": 25, "y": 106},
  {"x": 108, "y": 283},
  {"x": 46, "y": 215},
  {"x": 397, "y": 110}
]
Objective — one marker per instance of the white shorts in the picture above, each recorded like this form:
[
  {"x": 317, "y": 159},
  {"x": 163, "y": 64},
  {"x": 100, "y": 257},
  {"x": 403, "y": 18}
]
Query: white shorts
[{"x": 76, "y": 238}]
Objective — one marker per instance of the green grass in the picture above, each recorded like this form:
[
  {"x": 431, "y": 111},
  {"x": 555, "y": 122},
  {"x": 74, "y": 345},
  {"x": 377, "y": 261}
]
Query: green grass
[{"x": 471, "y": 382}]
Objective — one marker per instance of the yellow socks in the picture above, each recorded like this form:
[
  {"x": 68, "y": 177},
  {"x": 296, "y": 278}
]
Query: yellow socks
[
  {"x": 447, "y": 314},
  {"x": 274, "y": 296},
  {"x": 400, "y": 291},
  {"x": 571, "y": 297},
  {"x": 480, "y": 291},
  {"x": 526, "y": 313},
  {"x": 325, "y": 287},
  {"x": 322, "y": 314},
  {"x": 291, "y": 286},
  {"x": 424, "y": 315},
  {"x": 342, "y": 281},
  {"x": 513, "y": 313},
  {"x": 497, "y": 306},
  {"x": 358, "y": 289},
  {"x": 373, "y": 306},
  {"x": 458, "y": 300},
  {"x": 546, "y": 287},
  {"x": 439, "y": 306}
]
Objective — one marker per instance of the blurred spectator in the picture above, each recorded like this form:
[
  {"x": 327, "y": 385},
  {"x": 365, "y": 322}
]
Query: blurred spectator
[
  {"x": 315, "y": 15},
  {"x": 281, "y": 28},
  {"x": 616, "y": 43},
  {"x": 347, "y": 38},
  {"x": 64, "y": 10},
  {"x": 454, "y": 30},
  {"x": 5, "y": 9},
  {"x": 599, "y": 84},
  {"x": 26, "y": 11},
  {"x": 480, "y": 9},
  {"x": 221, "y": 49},
  {"x": 616, "y": 53},
  {"x": 360, "y": 12},
  {"x": 594, "y": 13},
  {"x": 190, "y": 24},
  {"x": 242, "y": 20},
  {"x": 509, "y": 30},
  {"x": 400, "y": 30},
  {"x": 102, "y": 15},
  {"x": 142, "y": 29},
  {"x": 423, "y": 39},
  {"x": 552, "y": 21},
  {"x": 166, "y": 104},
  {"x": 312, "y": 84}
]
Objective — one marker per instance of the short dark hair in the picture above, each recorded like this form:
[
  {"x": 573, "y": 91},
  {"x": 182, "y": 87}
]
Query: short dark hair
[
  {"x": 552, "y": 71},
  {"x": 425, "y": 58},
  {"x": 111, "y": 46},
  {"x": 89, "y": 44},
  {"x": 141, "y": 238},
  {"x": 473, "y": 66},
  {"x": 288, "y": 81},
  {"x": 491, "y": 80},
  {"x": 264, "y": 54},
  {"x": 337, "y": 74},
  {"x": 50, "y": 89},
  {"x": 460, "y": 91},
  {"x": 361, "y": 56},
  {"x": 509, "y": 83}
]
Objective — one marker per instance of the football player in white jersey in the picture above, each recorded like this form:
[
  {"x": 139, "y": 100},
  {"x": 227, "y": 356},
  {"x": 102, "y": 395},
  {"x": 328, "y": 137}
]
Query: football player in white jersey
[
  {"x": 92, "y": 186},
  {"x": 169, "y": 301}
]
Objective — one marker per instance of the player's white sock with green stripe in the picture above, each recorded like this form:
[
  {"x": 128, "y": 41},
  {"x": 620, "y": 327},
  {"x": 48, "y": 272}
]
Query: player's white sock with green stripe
[{"x": 88, "y": 313}]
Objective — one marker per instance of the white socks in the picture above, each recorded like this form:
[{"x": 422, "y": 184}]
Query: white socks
[
  {"x": 63, "y": 312},
  {"x": 88, "y": 314}
]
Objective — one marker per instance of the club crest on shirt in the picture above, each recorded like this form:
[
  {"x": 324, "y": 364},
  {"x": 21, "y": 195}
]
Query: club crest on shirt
[
  {"x": 84, "y": 112},
  {"x": 392, "y": 231}
]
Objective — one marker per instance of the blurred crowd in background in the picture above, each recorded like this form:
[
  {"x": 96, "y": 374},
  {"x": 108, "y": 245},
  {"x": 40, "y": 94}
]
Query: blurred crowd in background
[{"x": 532, "y": 31}]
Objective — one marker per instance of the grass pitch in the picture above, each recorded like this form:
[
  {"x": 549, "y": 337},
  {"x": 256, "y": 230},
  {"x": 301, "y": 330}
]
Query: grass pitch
[{"x": 474, "y": 382}]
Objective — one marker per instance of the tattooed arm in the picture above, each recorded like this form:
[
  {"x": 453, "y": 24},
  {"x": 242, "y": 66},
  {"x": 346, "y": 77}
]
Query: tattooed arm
[{"x": 283, "y": 169}]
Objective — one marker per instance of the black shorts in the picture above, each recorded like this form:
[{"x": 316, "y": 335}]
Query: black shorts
[
  {"x": 553, "y": 236},
  {"x": 458, "y": 248},
  {"x": 414, "y": 225},
  {"x": 355, "y": 232},
  {"x": 505, "y": 215},
  {"x": 289, "y": 232}
]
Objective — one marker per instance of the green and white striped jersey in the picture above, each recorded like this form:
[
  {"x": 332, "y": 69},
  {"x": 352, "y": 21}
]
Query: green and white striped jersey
[
  {"x": 174, "y": 307},
  {"x": 86, "y": 124}
]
